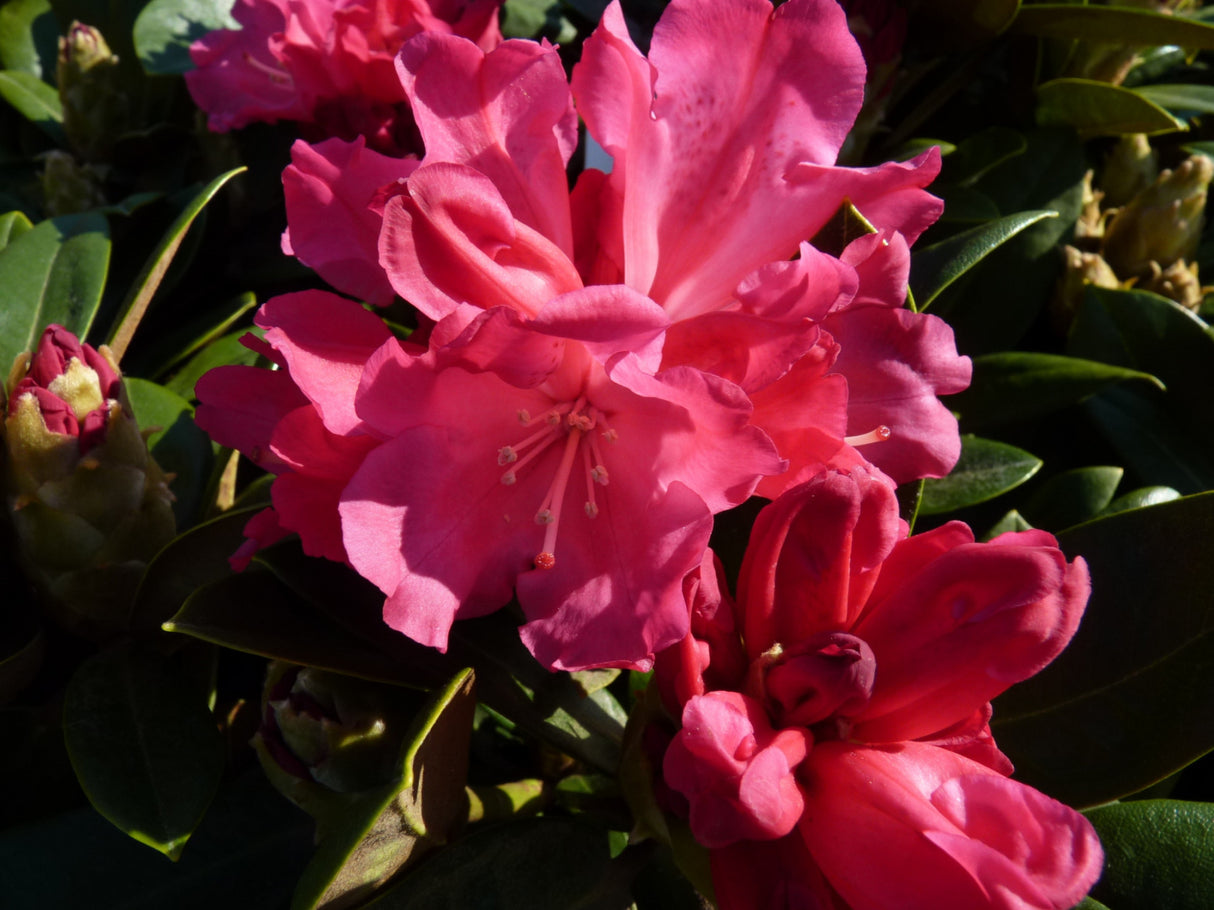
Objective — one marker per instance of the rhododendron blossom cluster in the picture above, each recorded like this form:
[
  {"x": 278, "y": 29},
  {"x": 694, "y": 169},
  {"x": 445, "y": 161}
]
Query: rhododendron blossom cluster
[
  {"x": 834, "y": 749},
  {"x": 327, "y": 64},
  {"x": 607, "y": 368}
]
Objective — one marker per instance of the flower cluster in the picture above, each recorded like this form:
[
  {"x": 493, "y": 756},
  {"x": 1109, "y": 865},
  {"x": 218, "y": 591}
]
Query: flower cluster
[
  {"x": 839, "y": 711},
  {"x": 598, "y": 371},
  {"x": 327, "y": 64}
]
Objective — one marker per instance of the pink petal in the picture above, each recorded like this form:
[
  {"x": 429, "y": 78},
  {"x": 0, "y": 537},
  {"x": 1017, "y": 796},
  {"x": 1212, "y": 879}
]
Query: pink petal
[
  {"x": 702, "y": 205},
  {"x": 770, "y": 875},
  {"x": 450, "y": 239},
  {"x": 813, "y": 557},
  {"x": 330, "y": 227},
  {"x": 922, "y": 828},
  {"x": 240, "y": 406},
  {"x": 325, "y": 340},
  {"x": 952, "y": 633},
  {"x": 508, "y": 114}
]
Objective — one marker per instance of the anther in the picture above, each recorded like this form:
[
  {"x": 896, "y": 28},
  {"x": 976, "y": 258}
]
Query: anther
[
  {"x": 506, "y": 455},
  {"x": 524, "y": 416},
  {"x": 592, "y": 511},
  {"x": 544, "y": 517},
  {"x": 599, "y": 475},
  {"x": 508, "y": 479}
]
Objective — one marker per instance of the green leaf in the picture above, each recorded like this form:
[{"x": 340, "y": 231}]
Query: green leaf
[
  {"x": 252, "y": 842},
  {"x": 971, "y": 20},
  {"x": 1012, "y": 521},
  {"x": 12, "y": 226},
  {"x": 53, "y": 273},
  {"x": 1016, "y": 385},
  {"x": 223, "y": 352},
  {"x": 165, "y": 30},
  {"x": 29, "y": 37},
  {"x": 390, "y": 827},
  {"x": 1071, "y": 497},
  {"x": 176, "y": 442},
  {"x": 1127, "y": 703},
  {"x": 1157, "y": 853},
  {"x": 537, "y": 18},
  {"x": 985, "y": 470},
  {"x": 1141, "y": 499},
  {"x": 36, "y": 101},
  {"x": 1099, "y": 109},
  {"x": 936, "y": 267},
  {"x": 1112, "y": 24},
  {"x": 844, "y": 226},
  {"x": 1180, "y": 98},
  {"x": 145, "y": 750},
  {"x": 978, "y": 154},
  {"x": 174, "y": 347},
  {"x": 543, "y": 863},
  {"x": 1167, "y": 438},
  {"x": 144, "y": 288}
]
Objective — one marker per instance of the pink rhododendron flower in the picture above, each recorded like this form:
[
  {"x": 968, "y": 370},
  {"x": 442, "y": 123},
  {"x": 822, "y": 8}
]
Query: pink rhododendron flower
[
  {"x": 835, "y": 749},
  {"x": 547, "y": 459},
  {"x": 325, "y": 63}
]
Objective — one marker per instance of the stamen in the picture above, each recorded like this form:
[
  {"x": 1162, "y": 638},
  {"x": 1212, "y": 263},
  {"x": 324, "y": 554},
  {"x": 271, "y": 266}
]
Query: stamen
[
  {"x": 524, "y": 416},
  {"x": 591, "y": 507},
  {"x": 598, "y": 473},
  {"x": 880, "y": 434},
  {"x": 556, "y": 495},
  {"x": 546, "y": 435},
  {"x": 282, "y": 77},
  {"x": 506, "y": 455}
]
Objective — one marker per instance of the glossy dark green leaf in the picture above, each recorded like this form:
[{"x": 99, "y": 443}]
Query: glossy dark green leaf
[
  {"x": 1072, "y": 497},
  {"x": 536, "y": 18},
  {"x": 1100, "y": 109},
  {"x": 1199, "y": 148},
  {"x": 36, "y": 101},
  {"x": 985, "y": 470},
  {"x": 540, "y": 864},
  {"x": 53, "y": 273},
  {"x": 1090, "y": 903},
  {"x": 1112, "y": 24},
  {"x": 995, "y": 303},
  {"x": 1180, "y": 98},
  {"x": 12, "y": 226},
  {"x": 28, "y": 37},
  {"x": 174, "y": 347},
  {"x": 195, "y": 558},
  {"x": 176, "y": 442},
  {"x": 844, "y": 226},
  {"x": 144, "y": 287},
  {"x": 386, "y": 829},
  {"x": 1021, "y": 385},
  {"x": 1141, "y": 499},
  {"x": 1157, "y": 853},
  {"x": 251, "y": 843},
  {"x": 255, "y": 612},
  {"x": 1128, "y": 702},
  {"x": 970, "y": 20},
  {"x": 1168, "y": 438},
  {"x": 146, "y": 751},
  {"x": 976, "y": 155},
  {"x": 165, "y": 30},
  {"x": 935, "y": 267}
]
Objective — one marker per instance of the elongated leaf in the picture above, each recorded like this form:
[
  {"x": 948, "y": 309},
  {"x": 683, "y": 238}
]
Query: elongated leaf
[
  {"x": 36, "y": 101},
  {"x": 165, "y": 30},
  {"x": 1180, "y": 98},
  {"x": 176, "y": 346},
  {"x": 53, "y": 273},
  {"x": 1072, "y": 497},
  {"x": 1021, "y": 385},
  {"x": 978, "y": 154},
  {"x": 393, "y": 826},
  {"x": 1100, "y": 109},
  {"x": 545, "y": 863},
  {"x": 1112, "y": 24},
  {"x": 12, "y": 226},
  {"x": 969, "y": 20},
  {"x": 144, "y": 749},
  {"x": 225, "y": 351},
  {"x": 28, "y": 37},
  {"x": 1141, "y": 499},
  {"x": 144, "y": 288},
  {"x": 1158, "y": 853},
  {"x": 1012, "y": 521},
  {"x": 985, "y": 470},
  {"x": 252, "y": 842},
  {"x": 1127, "y": 703},
  {"x": 176, "y": 442},
  {"x": 936, "y": 267}
]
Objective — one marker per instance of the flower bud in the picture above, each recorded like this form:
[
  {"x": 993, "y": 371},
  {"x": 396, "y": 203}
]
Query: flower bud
[
  {"x": 325, "y": 736},
  {"x": 95, "y": 107},
  {"x": 1080, "y": 270},
  {"x": 1177, "y": 282},
  {"x": 88, "y": 503},
  {"x": 1161, "y": 224},
  {"x": 1131, "y": 167}
]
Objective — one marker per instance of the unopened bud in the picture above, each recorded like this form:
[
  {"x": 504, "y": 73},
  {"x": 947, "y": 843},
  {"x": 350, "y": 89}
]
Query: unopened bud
[
  {"x": 1131, "y": 167},
  {"x": 95, "y": 107},
  {"x": 1080, "y": 270},
  {"x": 1178, "y": 282},
  {"x": 1161, "y": 224},
  {"x": 88, "y": 503}
]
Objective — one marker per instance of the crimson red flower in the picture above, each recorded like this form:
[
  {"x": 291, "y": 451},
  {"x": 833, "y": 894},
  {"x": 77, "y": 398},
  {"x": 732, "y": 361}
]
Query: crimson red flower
[{"x": 835, "y": 748}]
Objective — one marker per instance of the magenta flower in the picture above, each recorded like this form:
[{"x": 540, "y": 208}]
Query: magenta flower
[
  {"x": 325, "y": 63},
  {"x": 835, "y": 748}
]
